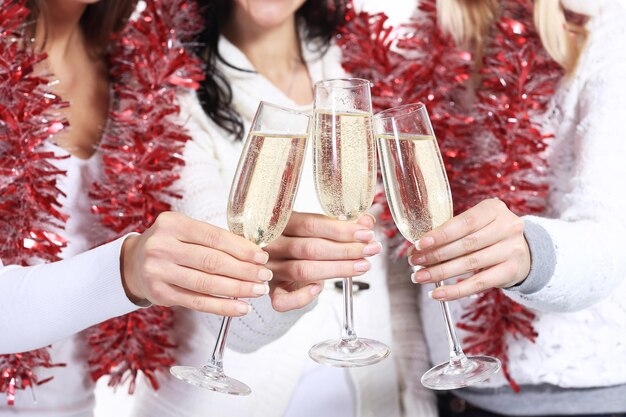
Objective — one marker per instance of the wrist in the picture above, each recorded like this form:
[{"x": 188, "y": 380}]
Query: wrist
[
  {"x": 129, "y": 279},
  {"x": 542, "y": 264}
]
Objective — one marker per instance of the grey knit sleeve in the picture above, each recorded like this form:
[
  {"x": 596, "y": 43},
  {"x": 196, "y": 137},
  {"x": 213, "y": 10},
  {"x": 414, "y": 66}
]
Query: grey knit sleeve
[{"x": 542, "y": 256}]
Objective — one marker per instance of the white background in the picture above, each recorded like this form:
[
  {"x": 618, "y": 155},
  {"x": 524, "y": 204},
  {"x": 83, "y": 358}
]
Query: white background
[
  {"x": 397, "y": 10},
  {"x": 119, "y": 404}
]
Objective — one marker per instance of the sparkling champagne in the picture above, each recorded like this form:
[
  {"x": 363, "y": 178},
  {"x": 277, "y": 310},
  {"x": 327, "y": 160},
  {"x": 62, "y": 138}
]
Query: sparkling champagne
[
  {"x": 262, "y": 199},
  {"x": 344, "y": 163},
  {"x": 415, "y": 183}
]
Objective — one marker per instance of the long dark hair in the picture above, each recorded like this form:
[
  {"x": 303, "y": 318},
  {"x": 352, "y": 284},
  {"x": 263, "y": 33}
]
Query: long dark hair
[
  {"x": 319, "y": 20},
  {"x": 98, "y": 22}
]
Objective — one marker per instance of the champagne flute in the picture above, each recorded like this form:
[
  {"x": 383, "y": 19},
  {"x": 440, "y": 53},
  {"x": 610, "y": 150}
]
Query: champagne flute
[
  {"x": 345, "y": 181},
  {"x": 419, "y": 197},
  {"x": 260, "y": 203}
]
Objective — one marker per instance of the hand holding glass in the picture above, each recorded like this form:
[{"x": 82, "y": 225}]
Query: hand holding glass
[
  {"x": 260, "y": 203},
  {"x": 419, "y": 197}
]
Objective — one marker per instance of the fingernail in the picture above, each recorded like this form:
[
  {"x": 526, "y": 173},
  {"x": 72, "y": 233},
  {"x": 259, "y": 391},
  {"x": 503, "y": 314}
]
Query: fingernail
[
  {"x": 417, "y": 260},
  {"x": 362, "y": 266},
  {"x": 420, "y": 276},
  {"x": 372, "y": 249},
  {"x": 265, "y": 275},
  {"x": 261, "y": 289},
  {"x": 437, "y": 294},
  {"x": 261, "y": 257},
  {"x": 316, "y": 289},
  {"x": 244, "y": 308},
  {"x": 424, "y": 243},
  {"x": 372, "y": 217},
  {"x": 364, "y": 235}
]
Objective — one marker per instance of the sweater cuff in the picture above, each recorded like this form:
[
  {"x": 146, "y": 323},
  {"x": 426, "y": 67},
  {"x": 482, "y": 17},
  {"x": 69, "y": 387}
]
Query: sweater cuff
[
  {"x": 542, "y": 259},
  {"x": 108, "y": 287}
]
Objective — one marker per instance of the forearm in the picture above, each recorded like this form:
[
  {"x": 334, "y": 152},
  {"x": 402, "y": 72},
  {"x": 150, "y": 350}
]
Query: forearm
[
  {"x": 543, "y": 259},
  {"x": 46, "y": 303}
]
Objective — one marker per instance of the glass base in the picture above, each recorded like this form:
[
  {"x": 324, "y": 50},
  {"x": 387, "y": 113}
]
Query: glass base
[
  {"x": 210, "y": 378},
  {"x": 349, "y": 353},
  {"x": 461, "y": 373}
]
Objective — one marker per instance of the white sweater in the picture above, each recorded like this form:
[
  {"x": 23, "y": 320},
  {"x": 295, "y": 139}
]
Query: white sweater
[
  {"x": 273, "y": 371},
  {"x": 50, "y": 303},
  {"x": 581, "y": 312}
]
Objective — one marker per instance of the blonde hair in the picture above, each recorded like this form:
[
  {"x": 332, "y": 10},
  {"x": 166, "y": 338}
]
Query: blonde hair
[
  {"x": 558, "y": 36},
  {"x": 469, "y": 22}
]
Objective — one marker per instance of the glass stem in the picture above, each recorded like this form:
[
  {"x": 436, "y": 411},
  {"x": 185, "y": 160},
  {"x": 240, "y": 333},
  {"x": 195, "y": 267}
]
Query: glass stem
[
  {"x": 457, "y": 357},
  {"x": 348, "y": 333},
  {"x": 216, "y": 364}
]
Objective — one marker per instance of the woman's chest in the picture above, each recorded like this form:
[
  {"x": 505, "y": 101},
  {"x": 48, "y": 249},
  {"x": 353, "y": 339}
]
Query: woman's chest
[{"x": 82, "y": 229}]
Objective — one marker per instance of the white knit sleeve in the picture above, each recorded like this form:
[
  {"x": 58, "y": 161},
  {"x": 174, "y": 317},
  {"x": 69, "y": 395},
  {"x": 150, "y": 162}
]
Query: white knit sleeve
[
  {"x": 200, "y": 186},
  {"x": 411, "y": 352},
  {"x": 42, "y": 304},
  {"x": 258, "y": 328},
  {"x": 205, "y": 197},
  {"x": 590, "y": 235}
]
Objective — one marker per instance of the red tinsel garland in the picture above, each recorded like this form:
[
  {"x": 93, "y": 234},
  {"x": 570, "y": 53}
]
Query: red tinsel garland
[
  {"x": 142, "y": 147},
  {"x": 491, "y": 150},
  {"x": 142, "y": 151},
  {"x": 29, "y": 208}
]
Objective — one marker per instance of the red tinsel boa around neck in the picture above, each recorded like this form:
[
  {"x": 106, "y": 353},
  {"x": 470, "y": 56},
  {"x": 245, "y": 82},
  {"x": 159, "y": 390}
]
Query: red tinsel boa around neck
[
  {"x": 142, "y": 147},
  {"x": 491, "y": 149}
]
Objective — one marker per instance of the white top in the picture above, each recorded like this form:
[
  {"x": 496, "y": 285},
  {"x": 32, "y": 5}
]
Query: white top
[
  {"x": 581, "y": 312},
  {"x": 275, "y": 370},
  {"x": 50, "y": 303}
]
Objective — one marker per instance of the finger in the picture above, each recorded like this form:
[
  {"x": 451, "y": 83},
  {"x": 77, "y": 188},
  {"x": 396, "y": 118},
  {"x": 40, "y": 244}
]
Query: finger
[
  {"x": 193, "y": 231},
  {"x": 320, "y": 249},
  {"x": 283, "y": 300},
  {"x": 474, "y": 261},
  {"x": 367, "y": 219},
  {"x": 487, "y": 236},
  {"x": 462, "y": 225},
  {"x": 209, "y": 304},
  {"x": 216, "y": 262},
  {"x": 217, "y": 285},
  {"x": 494, "y": 277},
  {"x": 320, "y": 226},
  {"x": 306, "y": 271}
]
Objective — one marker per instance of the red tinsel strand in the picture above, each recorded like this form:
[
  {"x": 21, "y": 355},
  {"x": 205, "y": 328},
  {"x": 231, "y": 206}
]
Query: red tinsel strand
[
  {"x": 143, "y": 152},
  {"x": 489, "y": 337},
  {"x": 417, "y": 62},
  {"x": 29, "y": 116},
  {"x": 518, "y": 80},
  {"x": 29, "y": 208}
]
